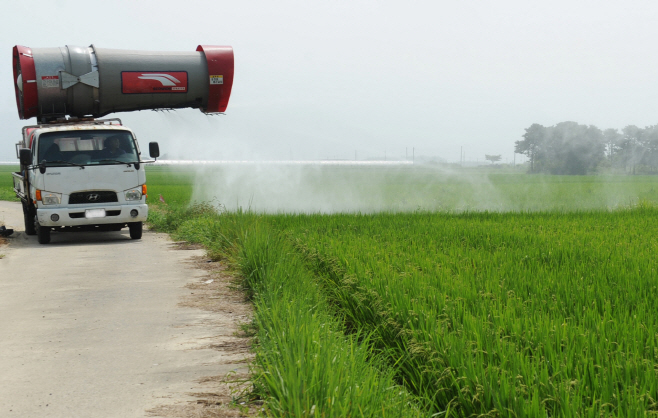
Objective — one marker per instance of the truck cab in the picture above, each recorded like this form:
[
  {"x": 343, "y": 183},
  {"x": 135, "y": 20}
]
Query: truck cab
[{"x": 81, "y": 175}]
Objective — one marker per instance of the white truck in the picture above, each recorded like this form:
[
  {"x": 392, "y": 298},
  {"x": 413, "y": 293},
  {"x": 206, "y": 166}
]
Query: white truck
[
  {"x": 78, "y": 172},
  {"x": 81, "y": 175}
]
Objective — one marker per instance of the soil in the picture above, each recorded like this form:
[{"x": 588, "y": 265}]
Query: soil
[{"x": 225, "y": 395}]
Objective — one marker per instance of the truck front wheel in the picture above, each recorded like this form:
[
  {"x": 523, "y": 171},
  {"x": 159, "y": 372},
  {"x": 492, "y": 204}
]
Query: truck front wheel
[
  {"x": 135, "y": 230},
  {"x": 28, "y": 217},
  {"x": 43, "y": 234}
]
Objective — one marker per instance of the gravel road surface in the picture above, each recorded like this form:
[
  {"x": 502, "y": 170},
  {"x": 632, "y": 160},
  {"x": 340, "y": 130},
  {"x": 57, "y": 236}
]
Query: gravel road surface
[{"x": 91, "y": 324}]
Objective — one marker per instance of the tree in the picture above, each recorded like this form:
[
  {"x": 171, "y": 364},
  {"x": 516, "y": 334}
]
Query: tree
[
  {"x": 492, "y": 158},
  {"x": 571, "y": 148},
  {"x": 611, "y": 138},
  {"x": 565, "y": 148},
  {"x": 532, "y": 144},
  {"x": 631, "y": 147},
  {"x": 575, "y": 149},
  {"x": 650, "y": 143}
]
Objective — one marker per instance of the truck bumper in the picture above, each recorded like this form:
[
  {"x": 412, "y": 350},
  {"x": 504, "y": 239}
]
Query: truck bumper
[{"x": 68, "y": 216}]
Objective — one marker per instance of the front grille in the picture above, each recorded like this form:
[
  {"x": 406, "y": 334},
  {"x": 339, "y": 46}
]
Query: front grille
[{"x": 92, "y": 197}]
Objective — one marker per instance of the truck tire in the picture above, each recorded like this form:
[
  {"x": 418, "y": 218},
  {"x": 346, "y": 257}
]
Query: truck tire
[
  {"x": 135, "y": 230},
  {"x": 28, "y": 217},
  {"x": 43, "y": 234}
]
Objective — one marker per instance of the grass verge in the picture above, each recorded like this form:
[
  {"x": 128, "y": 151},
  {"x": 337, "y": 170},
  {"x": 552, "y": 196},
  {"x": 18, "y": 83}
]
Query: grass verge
[
  {"x": 7, "y": 183},
  {"x": 305, "y": 364}
]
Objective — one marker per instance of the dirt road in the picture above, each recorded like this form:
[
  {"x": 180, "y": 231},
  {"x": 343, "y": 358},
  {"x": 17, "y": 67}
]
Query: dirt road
[{"x": 92, "y": 325}]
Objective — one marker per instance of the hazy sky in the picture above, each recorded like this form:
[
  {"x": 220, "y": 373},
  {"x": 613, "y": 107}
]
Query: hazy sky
[{"x": 328, "y": 79}]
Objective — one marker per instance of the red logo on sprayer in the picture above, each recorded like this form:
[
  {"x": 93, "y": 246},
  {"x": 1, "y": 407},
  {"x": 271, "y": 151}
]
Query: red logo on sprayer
[{"x": 135, "y": 82}]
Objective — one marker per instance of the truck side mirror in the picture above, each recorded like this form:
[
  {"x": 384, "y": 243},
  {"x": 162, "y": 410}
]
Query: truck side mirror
[
  {"x": 25, "y": 156},
  {"x": 154, "y": 149}
]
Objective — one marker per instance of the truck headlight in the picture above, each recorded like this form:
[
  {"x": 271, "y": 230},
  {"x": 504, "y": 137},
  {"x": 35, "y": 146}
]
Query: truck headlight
[
  {"x": 133, "y": 194},
  {"x": 48, "y": 198}
]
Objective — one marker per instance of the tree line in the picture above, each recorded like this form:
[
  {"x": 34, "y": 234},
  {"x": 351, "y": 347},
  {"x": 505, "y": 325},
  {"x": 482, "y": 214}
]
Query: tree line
[{"x": 571, "y": 148}]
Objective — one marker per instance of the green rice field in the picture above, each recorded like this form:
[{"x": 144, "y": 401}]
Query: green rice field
[
  {"x": 331, "y": 189},
  {"x": 543, "y": 304},
  {"x": 500, "y": 314}
]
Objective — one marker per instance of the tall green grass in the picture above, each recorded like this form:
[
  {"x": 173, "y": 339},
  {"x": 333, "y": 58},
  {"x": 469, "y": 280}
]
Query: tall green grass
[{"x": 532, "y": 315}]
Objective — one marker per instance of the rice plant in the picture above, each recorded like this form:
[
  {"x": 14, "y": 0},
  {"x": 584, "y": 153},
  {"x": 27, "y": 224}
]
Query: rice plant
[{"x": 531, "y": 315}]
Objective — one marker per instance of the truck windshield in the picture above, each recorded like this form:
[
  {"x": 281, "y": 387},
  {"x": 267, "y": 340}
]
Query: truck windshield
[{"x": 91, "y": 147}]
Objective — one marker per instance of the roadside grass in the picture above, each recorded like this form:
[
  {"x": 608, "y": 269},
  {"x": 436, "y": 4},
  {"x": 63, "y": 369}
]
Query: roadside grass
[
  {"x": 7, "y": 190},
  {"x": 305, "y": 364},
  {"x": 7, "y": 183}
]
